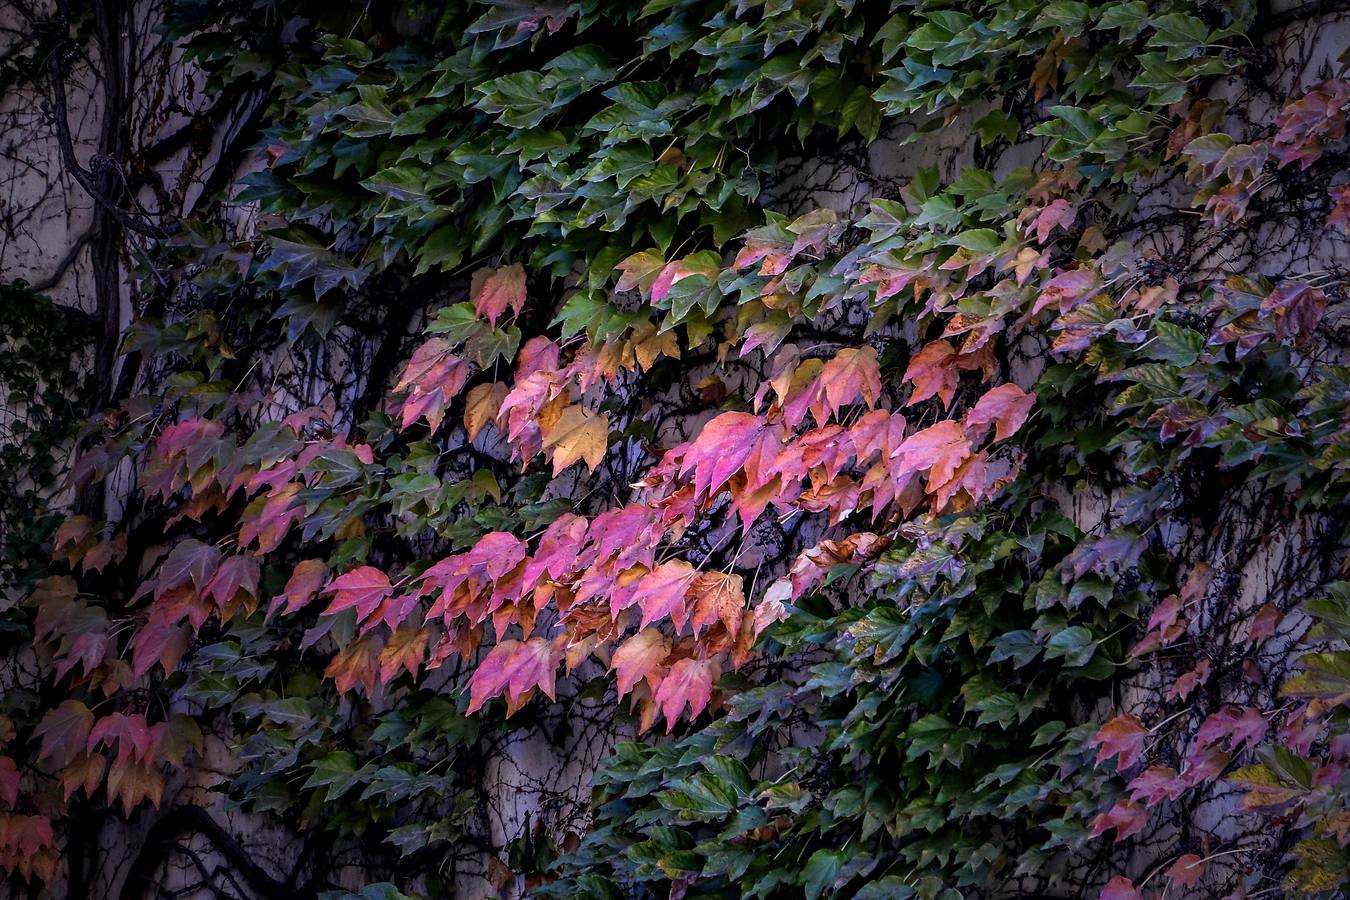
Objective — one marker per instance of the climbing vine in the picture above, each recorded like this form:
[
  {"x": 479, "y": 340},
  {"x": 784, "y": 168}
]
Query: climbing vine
[{"x": 967, "y": 523}]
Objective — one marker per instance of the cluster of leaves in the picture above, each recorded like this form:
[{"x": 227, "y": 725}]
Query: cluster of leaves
[
  {"x": 646, "y": 379},
  {"x": 40, "y": 387}
]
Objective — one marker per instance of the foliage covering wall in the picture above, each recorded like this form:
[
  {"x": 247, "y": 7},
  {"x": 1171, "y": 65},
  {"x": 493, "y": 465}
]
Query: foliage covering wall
[{"x": 890, "y": 449}]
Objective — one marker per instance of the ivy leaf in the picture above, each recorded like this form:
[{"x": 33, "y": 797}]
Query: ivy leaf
[
  {"x": 689, "y": 683},
  {"x": 1123, "y": 737},
  {"x": 1076, "y": 645},
  {"x": 579, "y": 434},
  {"x": 493, "y": 290},
  {"x": 1006, "y": 407},
  {"x": 638, "y": 656},
  {"x": 363, "y": 589}
]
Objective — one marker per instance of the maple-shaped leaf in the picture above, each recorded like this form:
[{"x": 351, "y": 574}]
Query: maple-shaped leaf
[
  {"x": 1264, "y": 623},
  {"x": 496, "y": 553},
  {"x": 84, "y": 772},
  {"x": 538, "y": 354},
  {"x": 721, "y": 448},
  {"x": 849, "y": 375},
  {"x": 689, "y": 683},
  {"x": 1126, "y": 817},
  {"x": 1155, "y": 784},
  {"x": 1234, "y": 726},
  {"x": 579, "y": 434},
  {"x": 932, "y": 372},
  {"x": 9, "y": 782},
  {"x": 1184, "y": 685},
  {"x": 556, "y": 555},
  {"x": 132, "y": 783},
  {"x": 639, "y": 271},
  {"x": 1204, "y": 764},
  {"x": 638, "y": 656},
  {"x": 357, "y": 663},
  {"x": 661, "y": 592},
  {"x": 64, "y": 731},
  {"x": 938, "y": 449},
  {"x": 159, "y": 640},
  {"x": 128, "y": 732},
  {"x": 189, "y": 561},
  {"x": 718, "y": 597},
  {"x": 1120, "y": 888},
  {"x": 1066, "y": 290},
  {"x": 481, "y": 406},
  {"x": 519, "y": 667},
  {"x": 1187, "y": 870},
  {"x": 433, "y": 377},
  {"x": 269, "y": 522},
  {"x": 1058, "y": 214},
  {"x": 363, "y": 589},
  {"x": 493, "y": 290},
  {"x": 27, "y": 834},
  {"x": 1123, "y": 737},
  {"x": 406, "y": 649},
  {"x": 1006, "y": 407},
  {"x": 236, "y": 573},
  {"x": 303, "y": 586}
]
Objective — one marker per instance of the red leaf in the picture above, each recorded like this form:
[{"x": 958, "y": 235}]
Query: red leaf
[
  {"x": 688, "y": 683},
  {"x": 236, "y": 573},
  {"x": 357, "y": 663},
  {"x": 518, "y": 666},
  {"x": 190, "y": 560},
  {"x": 557, "y": 553},
  {"x": 721, "y": 449},
  {"x": 158, "y": 641},
  {"x": 496, "y": 553},
  {"x": 128, "y": 732},
  {"x": 1234, "y": 726},
  {"x": 718, "y": 596},
  {"x": 932, "y": 373},
  {"x": 940, "y": 449},
  {"x": 493, "y": 290},
  {"x": 1120, "y": 888},
  {"x": 9, "y": 782},
  {"x": 849, "y": 375},
  {"x": 661, "y": 592},
  {"x": 1059, "y": 214},
  {"x": 362, "y": 588},
  {"x": 1187, "y": 870},
  {"x": 1155, "y": 784},
  {"x": 1264, "y": 623},
  {"x": 1123, "y": 737},
  {"x": 1006, "y": 406},
  {"x": 304, "y": 583},
  {"x": 1126, "y": 817},
  {"x": 406, "y": 649}
]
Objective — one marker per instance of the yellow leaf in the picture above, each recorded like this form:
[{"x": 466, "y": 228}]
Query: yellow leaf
[
  {"x": 578, "y": 434},
  {"x": 481, "y": 407}
]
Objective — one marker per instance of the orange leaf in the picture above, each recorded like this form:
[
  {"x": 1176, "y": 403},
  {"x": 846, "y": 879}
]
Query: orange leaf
[
  {"x": 481, "y": 407},
  {"x": 579, "y": 434},
  {"x": 406, "y": 649},
  {"x": 1006, "y": 406},
  {"x": 638, "y": 656}
]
